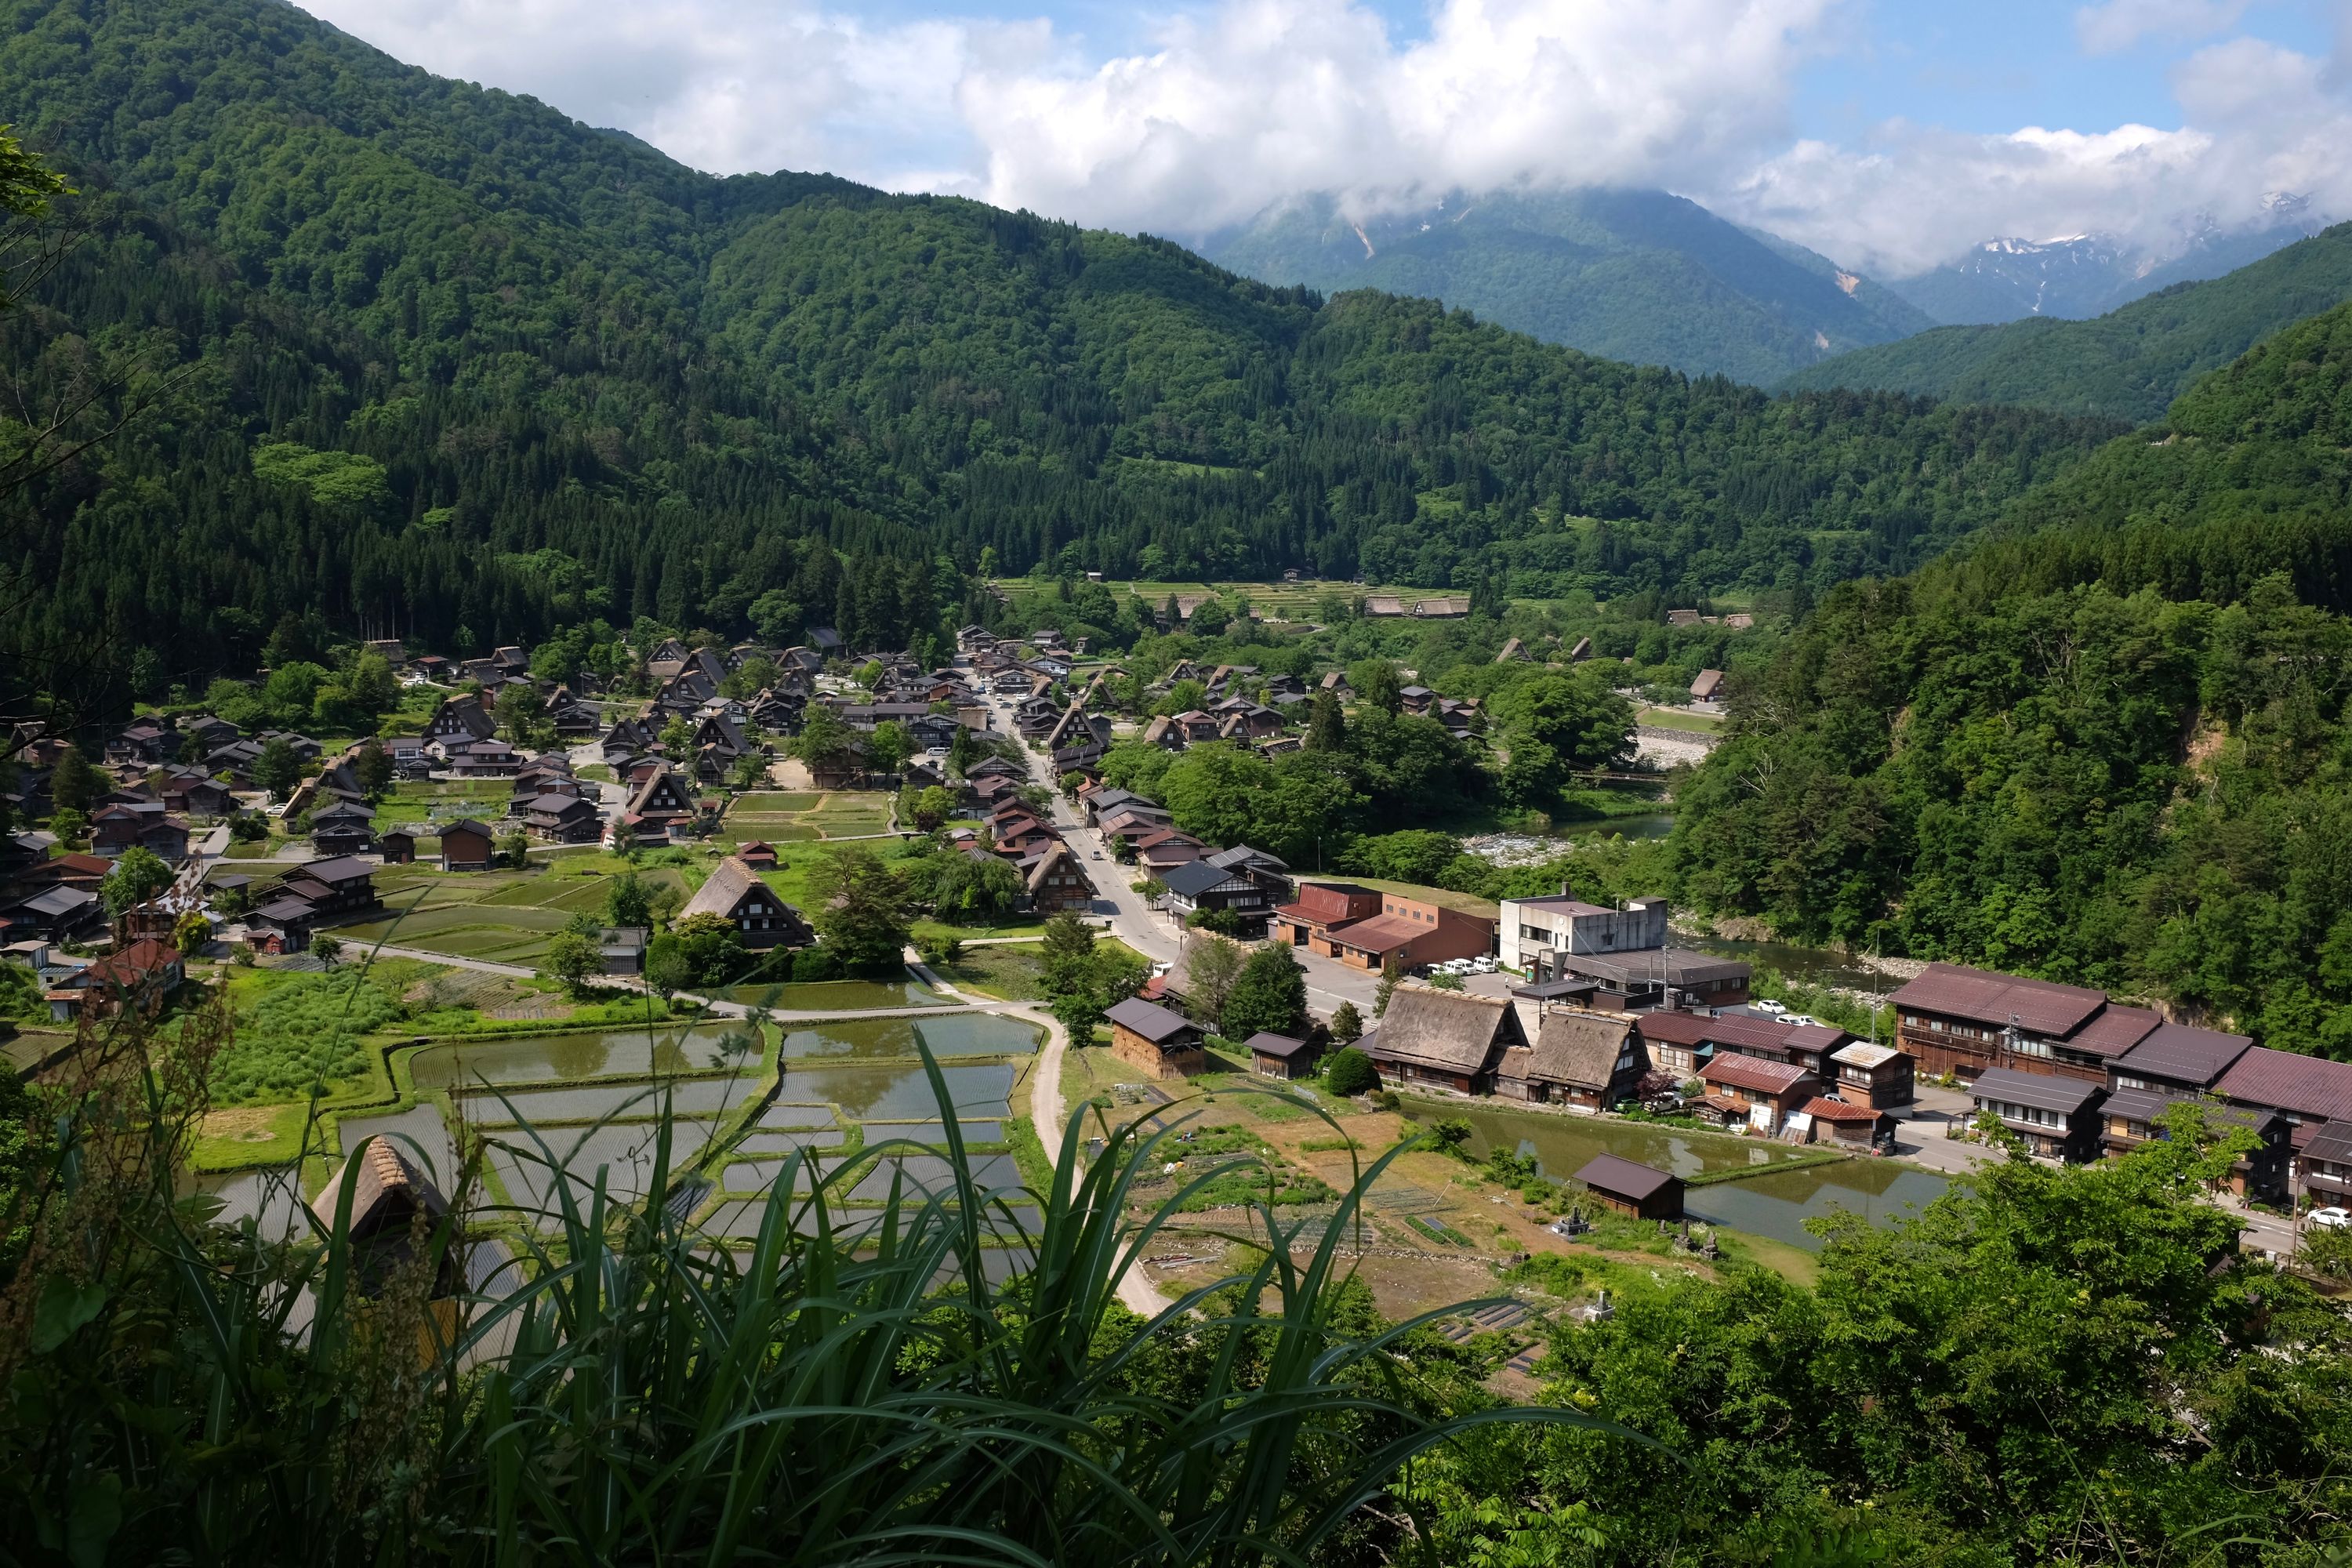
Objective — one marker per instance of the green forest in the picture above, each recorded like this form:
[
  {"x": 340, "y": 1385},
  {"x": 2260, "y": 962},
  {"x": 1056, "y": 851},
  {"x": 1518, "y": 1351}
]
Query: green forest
[
  {"x": 2108, "y": 742},
  {"x": 418, "y": 357},
  {"x": 2129, "y": 363}
]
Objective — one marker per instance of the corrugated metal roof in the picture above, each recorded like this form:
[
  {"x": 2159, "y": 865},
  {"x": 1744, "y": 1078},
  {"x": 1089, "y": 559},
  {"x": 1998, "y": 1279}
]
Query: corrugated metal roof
[
  {"x": 2039, "y": 1090},
  {"x": 1960, "y": 991},
  {"x": 1752, "y": 1072},
  {"x": 2332, "y": 1145},
  {"x": 2183, "y": 1054},
  {"x": 1623, "y": 1178},
  {"x": 2115, "y": 1031},
  {"x": 1153, "y": 1023},
  {"x": 2311, "y": 1088}
]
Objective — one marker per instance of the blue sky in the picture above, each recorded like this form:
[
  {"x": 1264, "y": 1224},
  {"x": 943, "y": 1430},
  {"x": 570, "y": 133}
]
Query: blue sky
[{"x": 1890, "y": 136}]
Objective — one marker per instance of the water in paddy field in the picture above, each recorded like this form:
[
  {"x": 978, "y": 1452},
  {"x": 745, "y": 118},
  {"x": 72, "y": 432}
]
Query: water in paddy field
[
  {"x": 873, "y": 1092},
  {"x": 553, "y": 1058},
  {"x": 1778, "y": 1204},
  {"x": 954, "y": 1035},
  {"x": 835, "y": 996},
  {"x": 1773, "y": 1203}
]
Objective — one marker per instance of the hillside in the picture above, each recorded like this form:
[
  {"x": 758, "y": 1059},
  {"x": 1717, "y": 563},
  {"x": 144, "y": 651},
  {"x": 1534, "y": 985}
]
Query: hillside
[
  {"x": 2128, "y": 364},
  {"x": 2107, "y": 742},
  {"x": 1640, "y": 276},
  {"x": 444, "y": 360}
]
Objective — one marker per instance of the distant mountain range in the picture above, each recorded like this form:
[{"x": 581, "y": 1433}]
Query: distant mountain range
[
  {"x": 2085, "y": 275},
  {"x": 2129, "y": 363},
  {"x": 1626, "y": 274}
]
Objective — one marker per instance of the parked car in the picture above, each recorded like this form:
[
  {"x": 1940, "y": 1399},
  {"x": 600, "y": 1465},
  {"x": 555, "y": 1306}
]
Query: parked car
[
  {"x": 1775, "y": 1009},
  {"x": 1802, "y": 1020},
  {"x": 2332, "y": 1218}
]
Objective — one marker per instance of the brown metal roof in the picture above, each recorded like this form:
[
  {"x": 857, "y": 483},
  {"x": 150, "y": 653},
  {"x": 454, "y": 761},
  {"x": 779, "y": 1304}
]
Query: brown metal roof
[
  {"x": 1986, "y": 997},
  {"x": 1822, "y": 1109},
  {"x": 2307, "y": 1086},
  {"x": 1382, "y": 933},
  {"x": 2115, "y": 1031},
  {"x": 1266, "y": 1043},
  {"x": 1752, "y": 1072},
  {"x": 1155, "y": 1023},
  {"x": 2043, "y": 1091},
  {"x": 1624, "y": 1179},
  {"x": 2184, "y": 1055}
]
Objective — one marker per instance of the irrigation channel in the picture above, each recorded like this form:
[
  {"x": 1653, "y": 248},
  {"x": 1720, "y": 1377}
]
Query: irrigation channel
[{"x": 564, "y": 1107}]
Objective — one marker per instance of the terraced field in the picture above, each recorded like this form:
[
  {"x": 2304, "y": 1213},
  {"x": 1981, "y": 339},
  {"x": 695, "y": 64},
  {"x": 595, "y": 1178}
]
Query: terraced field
[
  {"x": 789, "y": 816},
  {"x": 504, "y": 917}
]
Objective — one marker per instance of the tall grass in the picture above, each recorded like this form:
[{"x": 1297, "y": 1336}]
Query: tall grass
[{"x": 851, "y": 1387}]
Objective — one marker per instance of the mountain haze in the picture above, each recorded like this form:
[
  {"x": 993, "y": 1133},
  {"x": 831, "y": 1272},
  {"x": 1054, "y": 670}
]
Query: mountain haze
[
  {"x": 1627, "y": 274},
  {"x": 2128, "y": 364}
]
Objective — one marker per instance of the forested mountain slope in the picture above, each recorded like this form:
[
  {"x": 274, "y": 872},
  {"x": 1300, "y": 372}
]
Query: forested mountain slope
[
  {"x": 1630, "y": 274},
  {"x": 2107, "y": 744},
  {"x": 2129, "y": 363},
  {"x": 516, "y": 367}
]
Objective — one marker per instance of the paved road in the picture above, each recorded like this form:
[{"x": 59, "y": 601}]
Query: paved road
[{"x": 1134, "y": 921}]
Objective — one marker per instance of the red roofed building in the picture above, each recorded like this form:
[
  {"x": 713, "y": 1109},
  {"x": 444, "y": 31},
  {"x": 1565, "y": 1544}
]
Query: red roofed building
[
  {"x": 1959, "y": 1020},
  {"x": 1321, "y": 909},
  {"x": 1778, "y": 1087},
  {"x": 139, "y": 976},
  {"x": 2308, "y": 1091}
]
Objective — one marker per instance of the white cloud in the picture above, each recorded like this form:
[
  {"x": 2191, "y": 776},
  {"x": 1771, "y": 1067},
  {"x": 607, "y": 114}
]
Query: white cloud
[
  {"x": 2259, "y": 118},
  {"x": 1259, "y": 99},
  {"x": 2117, "y": 24},
  {"x": 1237, "y": 104}
]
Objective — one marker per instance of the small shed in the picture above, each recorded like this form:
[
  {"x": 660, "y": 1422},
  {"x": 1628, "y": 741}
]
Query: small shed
[
  {"x": 1844, "y": 1121},
  {"x": 1161, "y": 1042},
  {"x": 1279, "y": 1056},
  {"x": 397, "y": 846},
  {"x": 1708, "y": 687},
  {"x": 1642, "y": 1191},
  {"x": 758, "y": 854}
]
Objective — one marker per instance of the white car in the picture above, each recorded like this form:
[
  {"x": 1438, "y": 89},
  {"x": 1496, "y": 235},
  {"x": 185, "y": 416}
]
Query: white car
[
  {"x": 2332, "y": 1218},
  {"x": 1775, "y": 1009},
  {"x": 1802, "y": 1020}
]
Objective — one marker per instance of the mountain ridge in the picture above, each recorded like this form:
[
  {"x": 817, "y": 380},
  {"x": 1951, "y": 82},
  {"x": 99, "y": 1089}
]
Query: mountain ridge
[
  {"x": 1635, "y": 275},
  {"x": 2129, "y": 363}
]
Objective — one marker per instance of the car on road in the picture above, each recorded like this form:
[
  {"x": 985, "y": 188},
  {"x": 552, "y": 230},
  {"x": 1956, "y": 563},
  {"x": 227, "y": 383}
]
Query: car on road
[
  {"x": 1802, "y": 1020},
  {"x": 2335, "y": 1216},
  {"x": 1775, "y": 1009}
]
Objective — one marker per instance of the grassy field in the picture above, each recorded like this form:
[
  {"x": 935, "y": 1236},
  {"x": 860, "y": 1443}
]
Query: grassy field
[
  {"x": 1012, "y": 971},
  {"x": 505, "y": 917},
  {"x": 1669, "y": 719},
  {"x": 782, "y": 817}
]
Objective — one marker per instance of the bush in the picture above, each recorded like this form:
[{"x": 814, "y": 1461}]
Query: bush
[
  {"x": 306, "y": 1030},
  {"x": 813, "y": 963},
  {"x": 1351, "y": 1072}
]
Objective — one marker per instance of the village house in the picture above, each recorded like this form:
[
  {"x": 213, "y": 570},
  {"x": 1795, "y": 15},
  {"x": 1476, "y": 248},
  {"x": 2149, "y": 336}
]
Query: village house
[
  {"x": 559, "y": 818},
  {"x": 1415, "y": 933},
  {"x": 342, "y": 828},
  {"x": 1156, "y": 1041},
  {"x": 1585, "y": 1059},
  {"x": 2326, "y": 1167},
  {"x": 1629, "y": 1188},
  {"x": 458, "y": 721},
  {"x": 1058, "y": 882},
  {"x": 1163, "y": 850},
  {"x": 1955, "y": 1019},
  {"x": 137, "y": 979},
  {"x": 2308, "y": 1091},
  {"x": 1708, "y": 687},
  {"x": 2057, "y": 1117},
  {"x": 1764, "y": 1093},
  {"x": 735, "y": 893},
  {"x": 2130, "y": 1118},
  {"x": 388, "y": 1194},
  {"x": 1451, "y": 1040},
  {"x": 2178, "y": 1059},
  {"x": 397, "y": 847},
  {"x": 660, "y": 808},
  {"x": 1879, "y": 1076},
  {"x": 1202, "y": 887}
]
